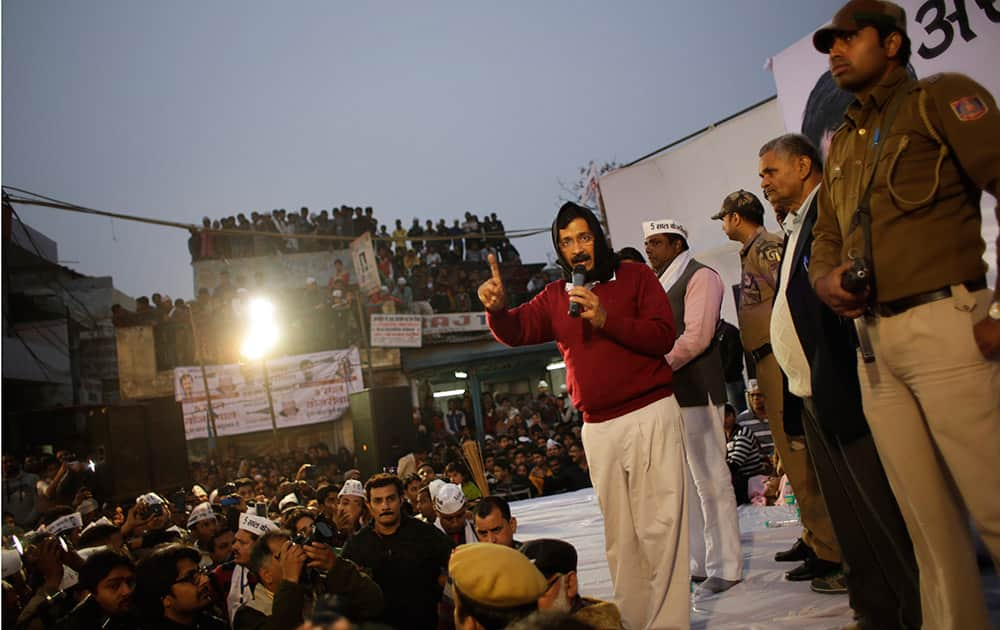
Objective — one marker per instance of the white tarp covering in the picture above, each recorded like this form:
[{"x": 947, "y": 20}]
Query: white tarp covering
[
  {"x": 762, "y": 601},
  {"x": 688, "y": 183}
]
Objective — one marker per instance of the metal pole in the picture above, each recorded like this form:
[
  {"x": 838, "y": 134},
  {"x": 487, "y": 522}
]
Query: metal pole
[
  {"x": 270, "y": 401},
  {"x": 213, "y": 434},
  {"x": 477, "y": 405},
  {"x": 367, "y": 341}
]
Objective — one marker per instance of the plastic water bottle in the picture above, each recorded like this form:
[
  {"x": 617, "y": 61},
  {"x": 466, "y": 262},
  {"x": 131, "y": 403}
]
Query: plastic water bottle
[{"x": 789, "y": 499}]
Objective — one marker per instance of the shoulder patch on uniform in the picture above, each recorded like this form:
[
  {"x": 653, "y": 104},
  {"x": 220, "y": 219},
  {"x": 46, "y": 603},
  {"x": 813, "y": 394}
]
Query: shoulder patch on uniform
[
  {"x": 770, "y": 251},
  {"x": 969, "y": 108}
]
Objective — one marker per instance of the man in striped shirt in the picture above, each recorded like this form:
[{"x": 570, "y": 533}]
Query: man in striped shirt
[
  {"x": 743, "y": 455},
  {"x": 755, "y": 418}
]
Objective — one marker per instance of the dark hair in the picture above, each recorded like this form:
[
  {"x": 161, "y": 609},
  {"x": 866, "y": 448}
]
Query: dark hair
[
  {"x": 156, "y": 574},
  {"x": 604, "y": 260},
  {"x": 677, "y": 238},
  {"x": 488, "y": 504},
  {"x": 630, "y": 253},
  {"x": 410, "y": 478},
  {"x": 96, "y": 536},
  {"x": 99, "y": 564},
  {"x": 382, "y": 480},
  {"x": 261, "y": 552},
  {"x": 884, "y": 31},
  {"x": 729, "y": 409},
  {"x": 551, "y": 555},
  {"x": 326, "y": 491},
  {"x": 293, "y": 514},
  {"x": 797, "y": 145},
  {"x": 244, "y": 481},
  {"x": 490, "y": 617},
  {"x": 459, "y": 468}
]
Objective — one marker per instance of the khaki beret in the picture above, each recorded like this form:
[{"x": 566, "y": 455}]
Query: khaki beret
[{"x": 495, "y": 575}]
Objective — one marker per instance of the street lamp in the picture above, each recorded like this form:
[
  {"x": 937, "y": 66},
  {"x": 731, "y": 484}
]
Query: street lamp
[{"x": 261, "y": 337}]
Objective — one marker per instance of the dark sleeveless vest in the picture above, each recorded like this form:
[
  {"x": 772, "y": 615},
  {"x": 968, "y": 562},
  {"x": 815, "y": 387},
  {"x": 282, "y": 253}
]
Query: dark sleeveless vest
[{"x": 703, "y": 375}]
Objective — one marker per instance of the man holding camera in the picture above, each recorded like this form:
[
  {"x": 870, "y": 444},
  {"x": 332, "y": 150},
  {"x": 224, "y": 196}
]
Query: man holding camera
[
  {"x": 902, "y": 190},
  {"x": 286, "y": 584}
]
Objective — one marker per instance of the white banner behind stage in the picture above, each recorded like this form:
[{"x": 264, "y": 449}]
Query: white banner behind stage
[
  {"x": 306, "y": 389},
  {"x": 688, "y": 183}
]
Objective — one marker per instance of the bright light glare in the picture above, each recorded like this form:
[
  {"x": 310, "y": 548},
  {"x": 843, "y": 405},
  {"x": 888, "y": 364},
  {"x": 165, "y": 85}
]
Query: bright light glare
[
  {"x": 260, "y": 310},
  {"x": 555, "y": 366},
  {"x": 262, "y": 332},
  {"x": 461, "y": 375},
  {"x": 448, "y": 393}
]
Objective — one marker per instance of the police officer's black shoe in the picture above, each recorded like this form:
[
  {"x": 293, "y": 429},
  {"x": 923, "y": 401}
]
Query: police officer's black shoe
[
  {"x": 800, "y": 551},
  {"x": 811, "y": 568}
]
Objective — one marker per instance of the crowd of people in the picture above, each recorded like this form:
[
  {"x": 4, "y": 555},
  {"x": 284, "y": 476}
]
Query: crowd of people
[
  {"x": 315, "y": 317},
  {"x": 466, "y": 240},
  {"x": 273, "y": 541},
  {"x": 424, "y": 270}
]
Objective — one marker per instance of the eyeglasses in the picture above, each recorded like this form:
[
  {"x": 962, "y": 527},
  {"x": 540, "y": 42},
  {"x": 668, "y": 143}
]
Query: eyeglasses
[
  {"x": 584, "y": 239},
  {"x": 193, "y": 577}
]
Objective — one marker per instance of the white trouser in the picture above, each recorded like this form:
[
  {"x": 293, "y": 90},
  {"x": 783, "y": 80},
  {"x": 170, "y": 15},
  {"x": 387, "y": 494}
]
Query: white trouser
[
  {"x": 712, "y": 519},
  {"x": 637, "y": 467}
]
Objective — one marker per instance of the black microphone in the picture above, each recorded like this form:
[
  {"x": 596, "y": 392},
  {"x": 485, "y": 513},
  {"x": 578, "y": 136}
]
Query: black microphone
[{"x": 579, "y": 279}]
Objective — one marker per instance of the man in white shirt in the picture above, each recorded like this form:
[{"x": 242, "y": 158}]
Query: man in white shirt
[
  {"x": 695, "y": 292},
  {"x": 815, "y": 350}
]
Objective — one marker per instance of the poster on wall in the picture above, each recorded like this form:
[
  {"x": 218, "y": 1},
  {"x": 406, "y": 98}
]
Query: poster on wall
[
  {"x": 396, "y": 331},
  {"x": 305, "y": 389}
]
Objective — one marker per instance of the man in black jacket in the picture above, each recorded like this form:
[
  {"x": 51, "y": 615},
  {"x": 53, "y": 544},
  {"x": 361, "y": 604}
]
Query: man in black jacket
[
  {"x": 406, "y": 557},
  {"x": 110, "y": 578},
  {"x": 815, "y": 349}
]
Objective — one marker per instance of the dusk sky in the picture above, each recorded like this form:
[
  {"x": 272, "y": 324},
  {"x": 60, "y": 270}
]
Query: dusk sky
[{"x": 183, "y": 109}]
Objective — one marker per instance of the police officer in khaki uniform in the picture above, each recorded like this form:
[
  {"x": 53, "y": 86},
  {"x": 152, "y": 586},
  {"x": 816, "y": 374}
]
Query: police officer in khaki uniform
[
  {"x": 742, "y": 217},
  {"x": 932, "y": 391}
]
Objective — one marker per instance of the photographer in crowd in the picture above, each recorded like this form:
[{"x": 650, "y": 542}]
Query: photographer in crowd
[{"x": 288, "y": 585}]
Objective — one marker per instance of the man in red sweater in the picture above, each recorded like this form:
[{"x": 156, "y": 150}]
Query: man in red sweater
[{"x": 618, "y": 378}]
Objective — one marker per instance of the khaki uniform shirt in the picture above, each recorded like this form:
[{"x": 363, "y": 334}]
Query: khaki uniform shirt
[
  {"x": 760, "y": 259},
  {"x": 925, "y": 201}
]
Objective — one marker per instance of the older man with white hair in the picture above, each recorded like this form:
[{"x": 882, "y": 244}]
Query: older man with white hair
[{"x": 695, "y": 292}]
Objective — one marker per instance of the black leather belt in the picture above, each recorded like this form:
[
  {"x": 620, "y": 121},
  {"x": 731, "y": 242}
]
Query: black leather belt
[
  {"x": 896, "y": 307},
  {"x": 760, "y": 352}
]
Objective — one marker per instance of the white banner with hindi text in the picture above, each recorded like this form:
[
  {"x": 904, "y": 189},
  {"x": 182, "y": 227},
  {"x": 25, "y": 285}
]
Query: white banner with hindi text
[{"x": 305, "y": 389}]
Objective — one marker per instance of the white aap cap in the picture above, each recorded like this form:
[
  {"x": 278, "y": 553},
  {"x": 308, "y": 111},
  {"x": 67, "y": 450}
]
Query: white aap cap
[
  {"x": 663, "y": 226},
  {"x": 449, "y": 499},
  {"x": 752, "y": 385},
  {"x": 435, "y": 485},
  {"x": 201, "y": 512},
  {"x": 352, "y": 488},
  {"x": 257, "y": 525},
  {"x": 287, "y": 501}
]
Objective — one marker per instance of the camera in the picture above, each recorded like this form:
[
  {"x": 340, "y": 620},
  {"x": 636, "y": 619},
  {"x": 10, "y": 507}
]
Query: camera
[
  {"x": 858, "y": 278},
  {"x": 321, "y": 532}
]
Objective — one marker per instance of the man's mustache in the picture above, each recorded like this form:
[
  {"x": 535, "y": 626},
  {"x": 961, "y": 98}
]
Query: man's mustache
[{"x": 580, "y": 258}]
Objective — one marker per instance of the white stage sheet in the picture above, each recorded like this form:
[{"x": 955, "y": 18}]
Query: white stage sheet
[{"x": 763, "y": 600}]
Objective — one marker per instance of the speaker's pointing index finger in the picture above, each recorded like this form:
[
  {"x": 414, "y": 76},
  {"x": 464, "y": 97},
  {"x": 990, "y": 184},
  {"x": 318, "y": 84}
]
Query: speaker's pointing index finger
[{"x": 494, "y": 268}]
